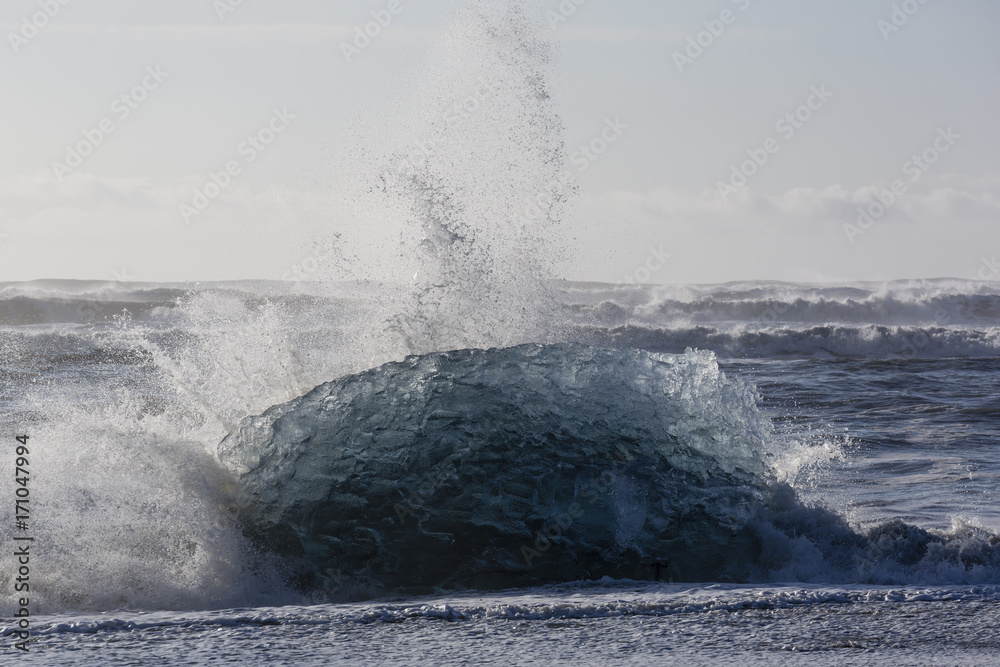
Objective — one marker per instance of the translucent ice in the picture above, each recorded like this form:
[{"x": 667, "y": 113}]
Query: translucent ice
[{"x": 503, "y": 467}]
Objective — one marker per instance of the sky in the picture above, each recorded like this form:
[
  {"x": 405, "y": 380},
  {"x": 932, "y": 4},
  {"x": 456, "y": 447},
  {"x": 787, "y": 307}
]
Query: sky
[{"x": 823, "y": 141}]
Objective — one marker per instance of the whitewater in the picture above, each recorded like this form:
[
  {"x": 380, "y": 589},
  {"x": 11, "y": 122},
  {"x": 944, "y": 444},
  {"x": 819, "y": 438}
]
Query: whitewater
[
  {"x": 816, "y": 497},
  {"x": 486, "y": 463}
]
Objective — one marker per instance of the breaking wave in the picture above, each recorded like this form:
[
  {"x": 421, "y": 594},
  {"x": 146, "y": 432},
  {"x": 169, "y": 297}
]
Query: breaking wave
[
  {"x": 871, "y": 341},
  {"x": 535, "y": 464},
  {"x": 906, "y": 319}
]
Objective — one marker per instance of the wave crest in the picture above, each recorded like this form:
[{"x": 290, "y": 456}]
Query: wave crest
[{"x": 543, "y": 463}]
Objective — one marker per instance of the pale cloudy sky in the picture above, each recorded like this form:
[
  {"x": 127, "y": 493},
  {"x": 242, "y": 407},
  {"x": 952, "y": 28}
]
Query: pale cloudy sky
[{"x": 886, "y": 80}]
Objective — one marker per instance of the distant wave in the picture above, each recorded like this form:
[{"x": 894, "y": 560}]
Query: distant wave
[
  {"x": 922, "y": 319},
  {"x": 80, "y": 302},
  {"x": 94, "y": 302},
  {"x": 903, "y": 319},
  {"x": 866, "y": 341},
  {"x": 928, "y": 303}
]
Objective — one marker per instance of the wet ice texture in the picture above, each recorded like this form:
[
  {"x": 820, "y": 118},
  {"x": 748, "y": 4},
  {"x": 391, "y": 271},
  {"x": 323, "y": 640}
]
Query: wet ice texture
[{"x": 507, "y": 467}]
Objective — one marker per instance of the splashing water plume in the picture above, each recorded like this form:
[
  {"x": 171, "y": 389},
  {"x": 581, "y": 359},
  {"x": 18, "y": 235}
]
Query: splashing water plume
[
  {"x": 488, "y": 139},
  {"x": 136, "y": 507}
]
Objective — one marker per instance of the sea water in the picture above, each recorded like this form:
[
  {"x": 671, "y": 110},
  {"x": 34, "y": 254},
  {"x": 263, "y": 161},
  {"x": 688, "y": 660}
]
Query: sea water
[
  {"x": 590, "y": 473},
  {"x": 882, "y": 419}
]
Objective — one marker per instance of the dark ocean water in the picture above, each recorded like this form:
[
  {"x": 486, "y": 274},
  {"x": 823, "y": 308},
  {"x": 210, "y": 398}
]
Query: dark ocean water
[{"x": 883, "y": 412}]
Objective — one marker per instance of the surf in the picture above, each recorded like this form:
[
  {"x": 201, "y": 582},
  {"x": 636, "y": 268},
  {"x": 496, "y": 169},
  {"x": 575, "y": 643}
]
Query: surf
[{"x": 491, "y": 469}]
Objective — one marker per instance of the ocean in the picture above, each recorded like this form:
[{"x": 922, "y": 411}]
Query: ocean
[
  {"x": 703, "y": 474},
  {"x": 484, "y": 463}
]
